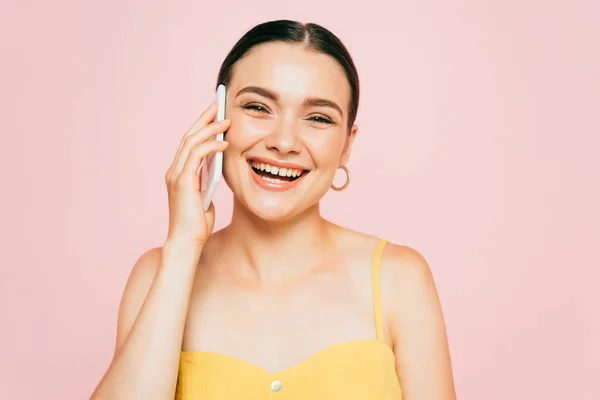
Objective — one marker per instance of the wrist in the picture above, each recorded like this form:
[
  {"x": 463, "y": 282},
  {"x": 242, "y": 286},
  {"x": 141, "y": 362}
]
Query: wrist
[{"x": 178, "y": 247}]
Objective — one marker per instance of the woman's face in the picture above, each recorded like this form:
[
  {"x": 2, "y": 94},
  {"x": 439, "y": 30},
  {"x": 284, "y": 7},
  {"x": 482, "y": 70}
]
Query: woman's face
[{"x": 288, "y": 108}]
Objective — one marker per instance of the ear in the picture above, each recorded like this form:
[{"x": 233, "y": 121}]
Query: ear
[{"x": 348, "y": 146}]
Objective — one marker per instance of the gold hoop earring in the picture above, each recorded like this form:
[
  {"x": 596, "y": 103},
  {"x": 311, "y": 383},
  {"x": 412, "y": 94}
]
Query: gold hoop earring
[{"x": 337, "y": 189}]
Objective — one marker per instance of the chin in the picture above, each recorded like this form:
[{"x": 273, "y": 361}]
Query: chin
[
  {"x": 272, "y": 210},
  {"x": 275, "y": 201}
]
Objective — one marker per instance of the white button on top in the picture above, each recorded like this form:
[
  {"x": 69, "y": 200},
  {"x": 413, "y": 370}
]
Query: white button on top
[{"x": 276, "y": 386}]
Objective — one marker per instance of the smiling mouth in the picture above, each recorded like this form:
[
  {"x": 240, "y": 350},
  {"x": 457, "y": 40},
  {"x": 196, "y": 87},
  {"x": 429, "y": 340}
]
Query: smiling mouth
[{"x": 274, "y": 174}]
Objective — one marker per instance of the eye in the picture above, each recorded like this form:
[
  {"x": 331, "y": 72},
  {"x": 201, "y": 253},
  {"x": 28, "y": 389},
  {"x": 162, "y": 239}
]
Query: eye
[
  {"x": 255, "y": 108},
  {"x": 321, "y": 119}
]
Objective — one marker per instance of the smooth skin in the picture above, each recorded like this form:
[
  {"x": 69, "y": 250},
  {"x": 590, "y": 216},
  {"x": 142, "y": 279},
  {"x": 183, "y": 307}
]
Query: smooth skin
[{"x": 279, "y": 275}]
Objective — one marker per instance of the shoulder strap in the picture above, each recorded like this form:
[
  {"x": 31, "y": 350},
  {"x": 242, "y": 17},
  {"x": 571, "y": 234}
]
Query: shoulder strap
[{"x": 376, "y": 290}]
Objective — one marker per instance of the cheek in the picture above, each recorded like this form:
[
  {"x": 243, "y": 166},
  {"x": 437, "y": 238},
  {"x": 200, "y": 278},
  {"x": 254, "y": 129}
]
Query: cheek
[
  {"x": 326, "y": 151},
  {"x": 246, "y": 131},
  {"x": 243, "y": 134}
]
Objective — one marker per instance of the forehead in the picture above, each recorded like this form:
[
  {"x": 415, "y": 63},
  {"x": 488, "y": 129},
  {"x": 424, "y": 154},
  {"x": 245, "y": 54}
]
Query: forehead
[{"x": 293, "y": 71}]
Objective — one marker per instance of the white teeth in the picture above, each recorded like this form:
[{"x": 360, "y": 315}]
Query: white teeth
[
  {"x": 273, "y": 180},
  {"x": 276, "y": 170}
]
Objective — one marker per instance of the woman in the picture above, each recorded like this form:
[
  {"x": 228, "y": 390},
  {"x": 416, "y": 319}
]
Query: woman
[{"x": 281, "y": 303}]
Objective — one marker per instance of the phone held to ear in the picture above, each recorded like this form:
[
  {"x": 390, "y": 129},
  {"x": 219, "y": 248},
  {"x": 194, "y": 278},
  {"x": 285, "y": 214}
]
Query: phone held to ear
[{"x": 212, "y": 167}]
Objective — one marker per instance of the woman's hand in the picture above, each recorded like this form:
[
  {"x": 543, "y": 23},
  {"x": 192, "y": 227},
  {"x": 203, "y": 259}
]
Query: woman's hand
[{"x": 187, "y": 220}]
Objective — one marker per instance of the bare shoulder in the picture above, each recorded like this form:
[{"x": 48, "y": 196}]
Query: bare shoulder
[
  {"x": 406, "y": 268},
  {"x": 146, "y": 265},
  {"x": 408, "y": 285},
  {"x": 136, "y": 289},
  {"x": 416, "y": 324},
  {"x": 400, "y": 265}
]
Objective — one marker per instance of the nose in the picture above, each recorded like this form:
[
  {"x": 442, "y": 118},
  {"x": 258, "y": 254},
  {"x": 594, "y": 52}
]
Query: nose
[{"x": 284, "y": 138}]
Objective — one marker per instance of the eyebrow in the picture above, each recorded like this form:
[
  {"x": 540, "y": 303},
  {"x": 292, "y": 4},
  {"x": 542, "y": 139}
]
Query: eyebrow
[
  {"x": 260, "y": 91},
  {"x": 308, "y": 102}
]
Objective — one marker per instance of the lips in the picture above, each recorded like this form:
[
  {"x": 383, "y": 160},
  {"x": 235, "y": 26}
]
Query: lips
[
  {"x": 275, "y": 172},
  {"x": 276, "y": 176}
]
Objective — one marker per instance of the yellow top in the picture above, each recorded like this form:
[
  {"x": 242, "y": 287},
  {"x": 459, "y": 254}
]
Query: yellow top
[{"x": 357, "y": 369}]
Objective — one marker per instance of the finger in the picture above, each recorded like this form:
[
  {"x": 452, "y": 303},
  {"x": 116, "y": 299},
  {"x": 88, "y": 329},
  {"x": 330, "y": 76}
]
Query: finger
[
  {"x": 210, "y": 215},
  {"x": 196, "y": 156},
  {"x": 203, "y": 120},
  {"x": 211, "y": 208},
  {"x": 196, "y": 138}
]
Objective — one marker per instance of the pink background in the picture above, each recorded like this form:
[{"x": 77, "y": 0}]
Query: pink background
[{"x": 478, "y": 146}]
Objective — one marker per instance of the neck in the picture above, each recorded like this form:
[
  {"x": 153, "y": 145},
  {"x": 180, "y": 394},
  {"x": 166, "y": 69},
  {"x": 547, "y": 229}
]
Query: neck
[{"x": 274, "y": 251}]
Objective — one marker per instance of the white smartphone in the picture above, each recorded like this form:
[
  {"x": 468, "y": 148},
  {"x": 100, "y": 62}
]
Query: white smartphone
[{"x": 212, "y": 167}]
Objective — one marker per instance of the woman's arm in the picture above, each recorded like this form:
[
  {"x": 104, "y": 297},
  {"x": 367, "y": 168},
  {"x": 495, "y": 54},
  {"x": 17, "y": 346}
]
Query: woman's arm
[
  {"x": 417, "y": 326},
  {"x": 151, "y": 322}
]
